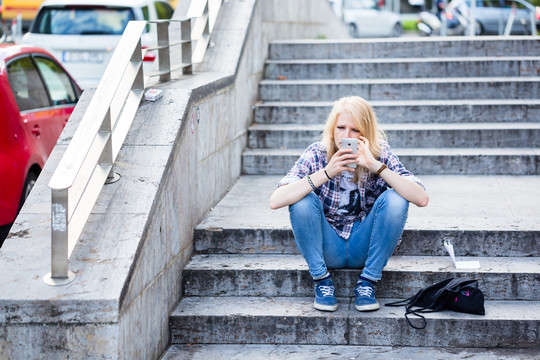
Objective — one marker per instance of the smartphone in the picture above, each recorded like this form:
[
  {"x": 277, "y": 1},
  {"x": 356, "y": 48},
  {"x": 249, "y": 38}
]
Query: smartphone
[{"x": 350, "y": 144}]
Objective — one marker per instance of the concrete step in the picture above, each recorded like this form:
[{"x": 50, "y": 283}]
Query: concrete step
[
  {"x": 489, "y": 216},
  {"x": 449, "y": 135},
  {"x": 432, "y": 161},
  {"x": 508, "y": 278},
  {"x": 292, "y": 320},
  {"x": 401, "y": 89},
  {"x": 407, "y": 111},
  {"x": 458, "y": 46},
  {"x": 403, "y": 68},
  {"x": 421, "y": 242},
  {"x": 337, "y": 352}
]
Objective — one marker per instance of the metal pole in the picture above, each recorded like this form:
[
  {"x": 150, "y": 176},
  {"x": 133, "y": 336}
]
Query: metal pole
[
  {"x": 164, "y": 57},
  {"x": 472, "y": 19},
  {"x": 59, "y": 274},
  {"x": 185, "y": 36},
  {"x": 444, "y": 22}
]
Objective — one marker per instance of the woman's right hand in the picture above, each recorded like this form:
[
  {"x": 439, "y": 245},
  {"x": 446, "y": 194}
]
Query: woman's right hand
[{"x": 338, "y": 163}]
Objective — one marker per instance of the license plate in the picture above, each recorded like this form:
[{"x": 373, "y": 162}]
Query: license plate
[{"x": 83, "y": 57}]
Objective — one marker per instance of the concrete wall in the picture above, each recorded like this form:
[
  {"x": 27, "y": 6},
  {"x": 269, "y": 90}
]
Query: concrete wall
[{"x": 181, "y": 156}]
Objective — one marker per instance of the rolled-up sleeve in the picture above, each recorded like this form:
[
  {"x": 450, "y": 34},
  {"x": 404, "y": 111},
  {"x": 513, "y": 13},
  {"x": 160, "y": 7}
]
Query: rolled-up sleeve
[
  {"x": 392, "y": 161},
  {"x": 303, "y": 166}
]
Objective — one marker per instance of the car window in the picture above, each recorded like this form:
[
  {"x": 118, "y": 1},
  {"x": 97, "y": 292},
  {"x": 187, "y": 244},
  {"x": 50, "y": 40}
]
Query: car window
[
  {"x": 360, "y": 4},
  {"x": 146, "y": 16},
  {"x": 83, "y": 20},
  {"x": 57, "y": 81},
  {"x": 26, "y": 84},
  {"x": 163, "y": 10}
]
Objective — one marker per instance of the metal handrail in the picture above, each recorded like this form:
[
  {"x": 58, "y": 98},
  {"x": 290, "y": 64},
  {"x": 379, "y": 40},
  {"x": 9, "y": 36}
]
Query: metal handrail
[{"x": 88, "y": 160}]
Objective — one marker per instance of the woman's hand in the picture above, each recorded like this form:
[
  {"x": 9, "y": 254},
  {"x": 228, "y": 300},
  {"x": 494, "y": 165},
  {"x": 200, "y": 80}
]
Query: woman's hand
[
  {"x": 338, "y": 163},
  {"x": 365, "y": 157}
]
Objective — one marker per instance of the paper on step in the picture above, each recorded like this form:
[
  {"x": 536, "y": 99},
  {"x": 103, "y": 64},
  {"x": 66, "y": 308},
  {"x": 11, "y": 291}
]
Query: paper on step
[{"x": 474, "y": 264}]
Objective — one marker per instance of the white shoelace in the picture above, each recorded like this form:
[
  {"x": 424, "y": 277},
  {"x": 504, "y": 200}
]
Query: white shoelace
[
  {"x": 365, "y": 291},
  {"x": 327, "y": 290}
]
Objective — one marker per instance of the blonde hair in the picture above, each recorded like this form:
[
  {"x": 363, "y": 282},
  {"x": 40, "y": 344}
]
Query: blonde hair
[{"x": 364, "y": 119}]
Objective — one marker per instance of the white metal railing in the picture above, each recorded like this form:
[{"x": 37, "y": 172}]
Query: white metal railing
[{"x": 89, "y": 159}]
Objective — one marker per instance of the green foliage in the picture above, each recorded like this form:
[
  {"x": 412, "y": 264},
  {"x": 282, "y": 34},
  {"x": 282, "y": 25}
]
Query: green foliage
[{"x": 410, "y": 25}]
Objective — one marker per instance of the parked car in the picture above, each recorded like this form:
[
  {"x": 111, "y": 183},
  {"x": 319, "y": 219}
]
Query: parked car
[
  {"x": 83, "y": 34},
  {"x": 37, "y": 96},
  {"x": 492, "y": 15},
  {"x": 365, "y": 18}
]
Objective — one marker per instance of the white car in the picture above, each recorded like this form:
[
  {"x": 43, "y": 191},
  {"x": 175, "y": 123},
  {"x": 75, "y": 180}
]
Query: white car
[
  {"x": 364, "y": 18},
  {"x": 82, "y": 34}
]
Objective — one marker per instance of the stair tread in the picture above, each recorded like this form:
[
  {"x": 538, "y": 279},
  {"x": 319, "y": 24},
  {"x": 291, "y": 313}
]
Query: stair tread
[
  {"x": 414, "y": 151},
  {"x": 460, "y": 80},
  {"x": 303, "y": 307},
  {"x": 484, "y": 202},
  {"x": 405, "y": 60},
  {"x": 407, "y": 126},
  {"x": 399, "y": 102},
  {"x": 336, "y": 352},
  {"x": 432, "y": 264}
]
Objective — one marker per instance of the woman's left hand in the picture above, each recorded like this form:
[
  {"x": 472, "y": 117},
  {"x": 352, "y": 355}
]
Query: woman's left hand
[{"x": 365, "y": 157}]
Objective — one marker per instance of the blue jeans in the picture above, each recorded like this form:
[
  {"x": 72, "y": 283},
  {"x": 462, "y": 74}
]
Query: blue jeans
[{"x": 370, "y": 245}]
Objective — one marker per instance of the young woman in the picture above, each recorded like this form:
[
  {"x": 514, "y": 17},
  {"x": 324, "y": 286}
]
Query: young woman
[{"x": 343, "y": 217}]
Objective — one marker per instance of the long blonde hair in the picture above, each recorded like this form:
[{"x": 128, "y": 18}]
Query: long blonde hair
[{"x": 364, "y": 119}]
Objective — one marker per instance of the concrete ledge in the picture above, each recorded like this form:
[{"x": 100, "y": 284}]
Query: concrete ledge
[
  {"x": 401, "y": 89},
  {"x": 451, "y": 46},
  {"x": 338, "y": 352},
  {"x": 287, "y": 275},
  {"x": 293, "y": 320},
  {"x": 407, "y": 111}
]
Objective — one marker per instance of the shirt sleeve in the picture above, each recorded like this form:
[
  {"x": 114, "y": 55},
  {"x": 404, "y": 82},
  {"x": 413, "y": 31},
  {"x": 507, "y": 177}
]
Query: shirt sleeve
[
  {"x": 303, "y": 166},
  {"x": 392, "y": 161}
]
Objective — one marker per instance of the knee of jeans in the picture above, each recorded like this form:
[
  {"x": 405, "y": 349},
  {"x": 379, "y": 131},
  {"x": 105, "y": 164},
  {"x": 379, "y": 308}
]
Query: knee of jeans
[
  {"x": 305, "y": 206},
  {"x": 396, "y": 204}
]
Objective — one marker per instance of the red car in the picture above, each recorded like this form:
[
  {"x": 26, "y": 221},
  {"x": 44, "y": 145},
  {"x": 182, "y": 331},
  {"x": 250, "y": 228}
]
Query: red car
[{"x": 37, "y": 96}]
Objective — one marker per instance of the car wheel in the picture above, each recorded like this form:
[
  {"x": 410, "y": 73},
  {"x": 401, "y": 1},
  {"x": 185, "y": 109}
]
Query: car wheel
[
  {"x": 397, "y": 30},
  {"x": 28, "y": 185},
  {"x": 478, "y": 29},
  {"x": 353, "y": 30}
]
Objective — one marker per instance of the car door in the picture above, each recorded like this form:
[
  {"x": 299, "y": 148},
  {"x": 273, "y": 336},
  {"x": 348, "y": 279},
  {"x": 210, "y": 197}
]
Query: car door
[
  {"x": 45, "y": 96},
  {"x": 370, "y": 20}
]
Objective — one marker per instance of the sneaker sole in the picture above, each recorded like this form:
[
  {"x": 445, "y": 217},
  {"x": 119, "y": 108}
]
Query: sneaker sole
[
  {"x": 325, "y": 307},
  {"x": 370, "y": 307}
]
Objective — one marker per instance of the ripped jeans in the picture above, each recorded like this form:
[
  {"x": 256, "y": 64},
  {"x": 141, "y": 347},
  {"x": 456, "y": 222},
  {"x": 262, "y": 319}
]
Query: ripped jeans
[{"x": 370, "y": 245}]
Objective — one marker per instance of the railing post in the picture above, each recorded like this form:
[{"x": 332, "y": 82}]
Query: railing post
[
  {"x": 138, "y": 83},
  {"x": 59, "y": 275},
  {"x": 164, "y": 57},
  {"x": 185, "y": 37},
  {"x": 106, "y": 158}
]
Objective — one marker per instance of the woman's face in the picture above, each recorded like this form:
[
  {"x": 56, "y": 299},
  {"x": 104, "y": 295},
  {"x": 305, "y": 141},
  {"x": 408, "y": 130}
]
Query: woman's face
[{"x": 345, "y": 128}]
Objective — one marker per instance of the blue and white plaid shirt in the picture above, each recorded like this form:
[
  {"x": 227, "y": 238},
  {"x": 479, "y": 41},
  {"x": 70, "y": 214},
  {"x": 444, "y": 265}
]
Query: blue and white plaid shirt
[{"x": 370, "y": 187}]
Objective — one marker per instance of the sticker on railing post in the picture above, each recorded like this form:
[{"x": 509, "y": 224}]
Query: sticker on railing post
[{"x": 58, "y": 213}]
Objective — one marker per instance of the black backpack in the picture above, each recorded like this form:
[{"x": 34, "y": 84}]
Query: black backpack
[{"x": 462, "y": 295}]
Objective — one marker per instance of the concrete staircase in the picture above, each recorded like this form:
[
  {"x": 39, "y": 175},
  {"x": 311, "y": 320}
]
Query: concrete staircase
[{"x": 464, "y": 115}]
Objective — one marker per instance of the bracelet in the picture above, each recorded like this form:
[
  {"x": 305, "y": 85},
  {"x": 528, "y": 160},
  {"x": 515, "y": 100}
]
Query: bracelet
[
  {"x": 381, "y": 169},
  {"x": 329, "y": 178},
  {"x": 311, "y": 183}
]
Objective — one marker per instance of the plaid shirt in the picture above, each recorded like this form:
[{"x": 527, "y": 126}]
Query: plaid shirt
[{"x": 370, "y": 187}]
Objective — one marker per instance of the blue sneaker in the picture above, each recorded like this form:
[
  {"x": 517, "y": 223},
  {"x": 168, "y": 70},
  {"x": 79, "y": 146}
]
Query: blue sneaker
[
  {"x": 325, "y": 299},
  {"x": 365, "y": 297}
]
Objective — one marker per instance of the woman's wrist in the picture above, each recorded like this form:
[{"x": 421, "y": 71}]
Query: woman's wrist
[
  {"x": 375, "y": 166},
  {"x": 326, "y": 173}
]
